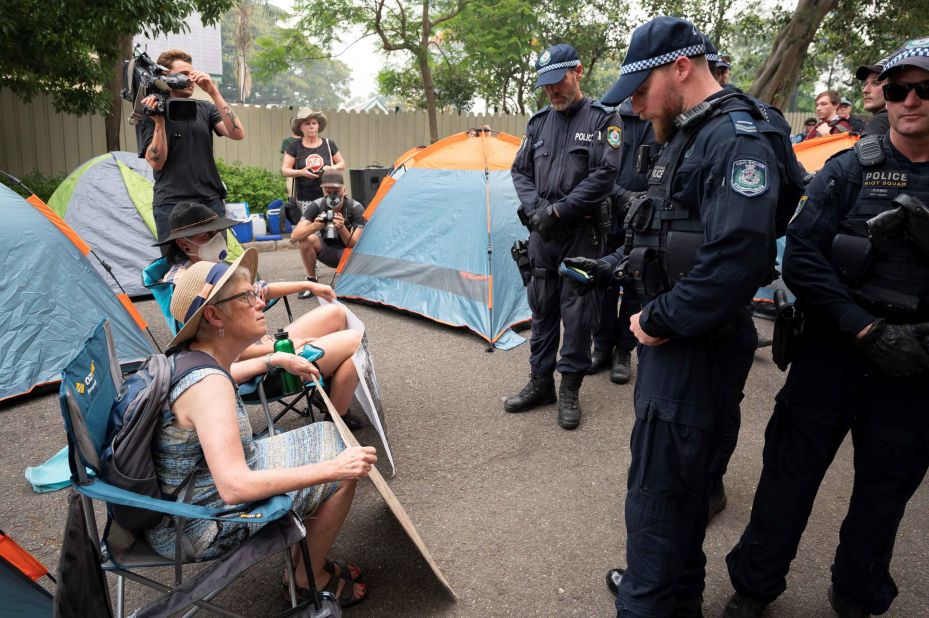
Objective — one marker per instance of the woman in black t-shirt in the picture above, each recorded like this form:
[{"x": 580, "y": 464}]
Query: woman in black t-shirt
[{"x": 305, "y": 160}]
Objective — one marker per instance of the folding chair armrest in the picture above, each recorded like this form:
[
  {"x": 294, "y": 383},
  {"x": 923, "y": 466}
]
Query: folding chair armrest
[{"x": 270, "y": 509}]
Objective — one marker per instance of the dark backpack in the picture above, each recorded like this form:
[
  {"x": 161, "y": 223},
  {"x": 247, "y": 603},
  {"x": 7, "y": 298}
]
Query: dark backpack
[{"x": 141, "y": 404}]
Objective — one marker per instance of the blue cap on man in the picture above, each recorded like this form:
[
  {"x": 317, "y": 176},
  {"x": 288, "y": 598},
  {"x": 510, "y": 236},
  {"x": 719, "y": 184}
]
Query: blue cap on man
[
  {"x": 553, "y": 63},
  {"x": 656, "y": 43}
]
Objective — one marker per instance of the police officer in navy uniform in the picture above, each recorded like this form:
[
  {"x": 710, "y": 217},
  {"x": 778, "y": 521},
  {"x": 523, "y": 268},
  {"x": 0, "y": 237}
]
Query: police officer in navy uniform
[
  {"x": 857, "y": 258},
  {"x": 613, "y": 340},
  {"x": 563, "y": 173},
  {"x": 701, "y": 242}
]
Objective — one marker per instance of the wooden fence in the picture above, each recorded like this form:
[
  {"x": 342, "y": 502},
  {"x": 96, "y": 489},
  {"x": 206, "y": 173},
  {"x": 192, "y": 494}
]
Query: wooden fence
[{"x": 34, "y": 137}]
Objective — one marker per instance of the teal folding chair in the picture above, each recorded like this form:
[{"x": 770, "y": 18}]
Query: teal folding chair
[{"x": 90, "y": 383}]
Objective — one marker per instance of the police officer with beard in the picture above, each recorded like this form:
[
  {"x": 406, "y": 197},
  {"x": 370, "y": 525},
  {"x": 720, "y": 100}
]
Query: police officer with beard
[
  {"x": 563, "y": 173},
  {"x": 857, "y": 258},
  {"x": 702, "y": 241}
]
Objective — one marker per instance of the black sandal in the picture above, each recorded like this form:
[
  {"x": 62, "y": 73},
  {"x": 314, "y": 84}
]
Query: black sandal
[
  {"x": 345, "y": 571},
  {"x": 346, "y": 599}
]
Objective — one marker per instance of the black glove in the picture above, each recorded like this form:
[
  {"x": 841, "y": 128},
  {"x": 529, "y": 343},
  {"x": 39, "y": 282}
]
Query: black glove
[
  {"x": 546, "y": 223},
  {"x": 599, "y": 271},
  {"x": 896, "y": 349}
]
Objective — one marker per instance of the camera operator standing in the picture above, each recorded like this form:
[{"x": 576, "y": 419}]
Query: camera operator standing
[
  {"x": 181, "y": 152},
  {"x": 329, "y": 225}
]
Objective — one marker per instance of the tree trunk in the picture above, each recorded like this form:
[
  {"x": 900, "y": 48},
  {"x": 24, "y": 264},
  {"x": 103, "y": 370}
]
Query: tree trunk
[
  {"x": 113, "y": 121},
  {"x": 429, "y": 88},
  {"x": 778, "y": 75}
]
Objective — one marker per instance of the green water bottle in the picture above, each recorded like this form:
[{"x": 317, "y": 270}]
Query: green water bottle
[{"x": 289, "y": 382}]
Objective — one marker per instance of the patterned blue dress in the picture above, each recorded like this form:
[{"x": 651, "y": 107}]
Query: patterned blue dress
[{"x": 176, "y": 452}]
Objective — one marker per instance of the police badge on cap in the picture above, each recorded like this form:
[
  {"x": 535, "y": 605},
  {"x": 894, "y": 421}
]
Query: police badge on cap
[{"x": 552, "y": 64}]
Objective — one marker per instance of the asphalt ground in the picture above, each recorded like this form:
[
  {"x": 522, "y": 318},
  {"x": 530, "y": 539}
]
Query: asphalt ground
[{"x": 523, "y": 517}]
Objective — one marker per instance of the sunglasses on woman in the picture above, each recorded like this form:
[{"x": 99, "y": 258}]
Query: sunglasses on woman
[{"x": 895, "y": 92}]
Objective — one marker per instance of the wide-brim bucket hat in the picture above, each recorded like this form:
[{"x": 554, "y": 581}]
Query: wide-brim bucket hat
[
  {"x": 305, "y": 113},
  {"x": 191, "y": 218}
]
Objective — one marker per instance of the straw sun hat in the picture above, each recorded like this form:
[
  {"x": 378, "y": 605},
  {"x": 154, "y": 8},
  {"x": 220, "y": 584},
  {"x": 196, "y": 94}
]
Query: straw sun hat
[{"x": 200, "y": 284}]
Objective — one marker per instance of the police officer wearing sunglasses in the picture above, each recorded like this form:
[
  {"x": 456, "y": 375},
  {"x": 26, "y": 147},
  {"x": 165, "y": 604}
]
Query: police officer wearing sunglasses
[{"x": 857, "y": 258}]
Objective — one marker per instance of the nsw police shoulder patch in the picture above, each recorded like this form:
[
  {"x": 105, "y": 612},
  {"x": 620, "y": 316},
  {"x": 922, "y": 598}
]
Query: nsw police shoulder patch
[
  {"x": 749, "y": 177},
  {"x": 614, "y": 136}
]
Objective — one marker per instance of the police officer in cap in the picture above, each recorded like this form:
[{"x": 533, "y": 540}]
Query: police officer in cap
[
  {"x": 702, "y": 241},
  {"x": 857, "y": 258},
  {"x": 563, "y": 173}
]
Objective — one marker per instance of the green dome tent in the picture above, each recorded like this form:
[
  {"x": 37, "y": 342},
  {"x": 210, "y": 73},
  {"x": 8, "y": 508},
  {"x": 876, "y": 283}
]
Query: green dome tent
[{"x": 108, "y": 202}]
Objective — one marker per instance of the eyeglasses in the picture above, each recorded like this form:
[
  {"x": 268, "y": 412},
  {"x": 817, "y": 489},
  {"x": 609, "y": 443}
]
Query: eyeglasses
[
  {"x": 895, "y": 92},
  {"x": 249, "y": 295}
]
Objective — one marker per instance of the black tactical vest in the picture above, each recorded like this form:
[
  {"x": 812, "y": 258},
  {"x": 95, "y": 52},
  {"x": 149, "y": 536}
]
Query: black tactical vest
[
  {"x": 663, "y": 235},
  {"x": 875, "y": 253}
]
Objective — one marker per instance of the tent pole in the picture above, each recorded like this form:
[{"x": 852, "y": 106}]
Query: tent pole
[{"x": 490, "y": 245}]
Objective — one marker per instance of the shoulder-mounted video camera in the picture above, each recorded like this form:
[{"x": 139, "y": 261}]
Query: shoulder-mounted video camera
[{"x": 143, "y": 77}]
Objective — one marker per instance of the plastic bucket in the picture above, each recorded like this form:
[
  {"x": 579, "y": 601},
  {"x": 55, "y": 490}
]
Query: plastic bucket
[{"x": 243, "y": 232}]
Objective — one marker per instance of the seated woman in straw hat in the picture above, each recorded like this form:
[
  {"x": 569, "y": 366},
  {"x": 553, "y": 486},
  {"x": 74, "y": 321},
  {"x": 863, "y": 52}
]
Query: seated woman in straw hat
[
  {"x": 221, "y": 309},
  {"x": 196, "y": 235}
]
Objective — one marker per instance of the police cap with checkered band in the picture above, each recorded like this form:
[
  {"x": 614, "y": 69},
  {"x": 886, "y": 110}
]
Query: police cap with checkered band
[
  {"x": 552, "y": 64},
  {"x": 914, "y": 53},
  {"x": 656, "y": 43}
]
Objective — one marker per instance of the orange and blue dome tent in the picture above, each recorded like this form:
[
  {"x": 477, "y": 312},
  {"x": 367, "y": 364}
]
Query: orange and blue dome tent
[
  {"x": 52, "y": 297},
  {"x": 438, "y": 238}
]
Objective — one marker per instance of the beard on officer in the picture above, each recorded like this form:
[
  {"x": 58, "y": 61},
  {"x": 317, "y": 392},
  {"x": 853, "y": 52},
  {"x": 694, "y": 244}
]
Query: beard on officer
[{"x": 699, "y": 244}]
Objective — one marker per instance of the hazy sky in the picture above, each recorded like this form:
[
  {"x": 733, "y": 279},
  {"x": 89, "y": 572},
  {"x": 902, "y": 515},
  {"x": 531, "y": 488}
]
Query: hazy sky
[{"x": 363, "y": 58}]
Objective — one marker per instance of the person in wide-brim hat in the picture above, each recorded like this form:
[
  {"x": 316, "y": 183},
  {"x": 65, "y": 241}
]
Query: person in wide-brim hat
[
  {"x": 302, "y": 115},
  {"x": 191, "y": 218}
]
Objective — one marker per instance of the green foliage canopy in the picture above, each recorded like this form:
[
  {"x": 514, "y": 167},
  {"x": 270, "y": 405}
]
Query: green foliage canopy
[{"x": 68, "y": 49}]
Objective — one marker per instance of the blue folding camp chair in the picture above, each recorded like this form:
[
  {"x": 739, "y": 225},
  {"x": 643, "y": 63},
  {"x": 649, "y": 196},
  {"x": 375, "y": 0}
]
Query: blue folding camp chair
[
  {"x": 263, "y": 390},
  {"x": 89, "y": 386}
]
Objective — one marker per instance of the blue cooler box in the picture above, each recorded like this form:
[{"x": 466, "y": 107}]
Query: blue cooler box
[{"x": 275, "y": 216}]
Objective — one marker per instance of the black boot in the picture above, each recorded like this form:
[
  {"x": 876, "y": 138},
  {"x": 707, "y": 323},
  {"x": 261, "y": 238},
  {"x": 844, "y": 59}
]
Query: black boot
[
  {"x": 569, "y": 412},
  {"x": 744, "y": 607},
  {"x": 845, "y": 608},
  {"x": 306, "y": 293},
  {"x": 538, "y": 392},
  {"x": 622, "y": 366},
  {"x": 599, "y": 360}
]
